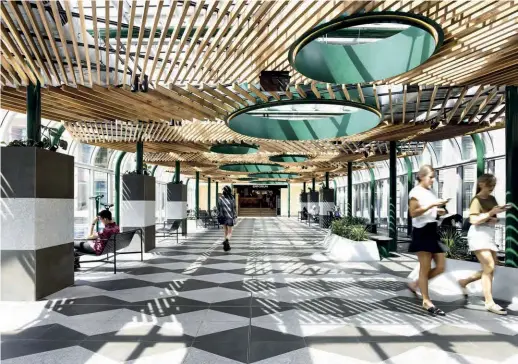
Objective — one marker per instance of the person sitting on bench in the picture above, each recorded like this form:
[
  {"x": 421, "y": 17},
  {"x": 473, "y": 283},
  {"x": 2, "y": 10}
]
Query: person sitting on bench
[{"x": 96, "y": 241}]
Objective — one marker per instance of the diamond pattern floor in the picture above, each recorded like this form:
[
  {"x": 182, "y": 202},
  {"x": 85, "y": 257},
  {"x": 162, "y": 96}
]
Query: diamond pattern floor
[{"x": 275, "y": 298}]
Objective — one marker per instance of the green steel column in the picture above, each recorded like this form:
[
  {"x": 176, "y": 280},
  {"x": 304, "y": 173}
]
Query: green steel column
[
  {"x": 118, "y": 187},
  {"x": 140, "y": 157},
  {"x": 481, "y": 152},
  {"x": 34, "y": 112},
  {"x": 410, "y": 185},
  {"x": 335, "y": 191},
  {"x": 327, "y": 180},
  {"x": 217, "y": 189},
  {"x": 304, "y": 187},
  {"x": 313, "y": 183},
  {"x": 392, "y": 197},
  {"x": 154, "y": 170},
  {"x": 208, "y": 195},
  {"x": 349, "y": 188},
  {"x": 511, "y": 173},
  {"x": 197, "y": 195},
  {"x": 177, "y": 172},
  {"x": 373, "y": 196},
  {"x": 289, "y": 199}
]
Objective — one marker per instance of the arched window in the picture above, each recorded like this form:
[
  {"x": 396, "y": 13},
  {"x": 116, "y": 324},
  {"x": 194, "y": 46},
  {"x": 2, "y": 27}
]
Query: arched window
[{"x": 102, "y": 157}]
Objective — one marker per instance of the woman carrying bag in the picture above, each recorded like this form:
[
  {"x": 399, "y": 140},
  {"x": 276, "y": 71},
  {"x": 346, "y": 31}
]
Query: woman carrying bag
[{"x": 227, "y": 215}]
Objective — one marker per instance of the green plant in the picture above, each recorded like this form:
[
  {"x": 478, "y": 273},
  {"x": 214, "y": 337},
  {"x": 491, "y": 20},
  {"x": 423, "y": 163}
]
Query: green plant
[
  {"x": 453, "y": 240},
  {"x": 351, "y": 228},
  {"x": 357, "y": 233}
]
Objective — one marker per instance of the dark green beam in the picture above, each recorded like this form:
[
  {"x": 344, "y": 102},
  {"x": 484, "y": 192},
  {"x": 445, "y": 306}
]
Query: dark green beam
[
  {"x": 410, "y": 185},
  {"x": 511, "y": 173},
  {"x": 177, "y": 172},
  {"x": 208, "y": 195},
  {"x": 140, "y": 157},
  {"x": 197, "y": 195},
  {"x": 327, "y": 180},
  {"x": 481, "y": 153},
  {"x": 34, "y": 112},
  {"x": 313, "y": 182},
  {"x": 392, "y": 196},
  {"x": 118, "y": 187},
  {"x": 372, "y": 195},
  {"x": 349, "y": 188}
]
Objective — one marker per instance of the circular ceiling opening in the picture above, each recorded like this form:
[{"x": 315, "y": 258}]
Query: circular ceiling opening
[
  {"x": 366, "y": 47},
  {"x": 275, "y": 175},
  {"x": 304, "y": 119},
  {"x": 289, "y": 158},
  {"x": 262, "y": 182},
  {"x": 234, "y": 148},
  {"x": 251, "y": 167}
]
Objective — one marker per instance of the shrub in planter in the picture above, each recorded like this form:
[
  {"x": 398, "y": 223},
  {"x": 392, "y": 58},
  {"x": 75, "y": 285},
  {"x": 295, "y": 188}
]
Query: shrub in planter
[{"x": 350, "y": 228}]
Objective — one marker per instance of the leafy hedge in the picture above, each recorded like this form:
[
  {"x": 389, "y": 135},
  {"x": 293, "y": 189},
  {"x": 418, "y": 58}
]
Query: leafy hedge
[{"x": 352, "y": 228}]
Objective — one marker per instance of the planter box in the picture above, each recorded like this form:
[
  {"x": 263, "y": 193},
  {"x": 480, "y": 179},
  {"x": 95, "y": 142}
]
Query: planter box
[
  {"x": 505, "y": 283},
  {"x": 346, "y": 250}
]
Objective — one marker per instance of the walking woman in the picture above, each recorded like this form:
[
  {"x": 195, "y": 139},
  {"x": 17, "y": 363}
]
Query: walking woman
[
  {"x": 226, "y": 215},
  {"x": 424, "y": 208},
  {"x": 481, "y": 238}
]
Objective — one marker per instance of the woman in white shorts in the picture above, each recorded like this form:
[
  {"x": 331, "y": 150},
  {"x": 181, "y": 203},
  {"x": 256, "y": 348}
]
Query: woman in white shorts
[{"x": 481, "y": 238}]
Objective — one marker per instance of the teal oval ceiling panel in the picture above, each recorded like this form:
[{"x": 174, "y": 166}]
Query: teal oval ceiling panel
[
  {"x": 234, "y": 148},
  {"x": 304, "y": 119},
  {"x": 366, "y": 47},
  {"x": 251, "y": 167},
  {"x": 274, "y": 175},
  {"x": 289, "y": 158}
]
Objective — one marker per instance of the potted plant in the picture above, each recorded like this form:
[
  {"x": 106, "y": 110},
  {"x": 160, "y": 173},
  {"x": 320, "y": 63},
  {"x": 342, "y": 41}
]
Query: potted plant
[{"x": 349, "y": 241}]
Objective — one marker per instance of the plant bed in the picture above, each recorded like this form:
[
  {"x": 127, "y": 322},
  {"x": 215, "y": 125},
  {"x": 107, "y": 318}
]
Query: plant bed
[
  {"x": 349, "y": 241},
  {"x": 504, "y": 282}
]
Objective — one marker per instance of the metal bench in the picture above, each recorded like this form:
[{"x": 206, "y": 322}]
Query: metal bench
[
  {"x": 171, "y": 227},
  {"x": 114, "y": 244}
]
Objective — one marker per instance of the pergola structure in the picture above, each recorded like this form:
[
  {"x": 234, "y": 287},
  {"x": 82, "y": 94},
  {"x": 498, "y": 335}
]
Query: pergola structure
[{"x": 166, "y": 78}]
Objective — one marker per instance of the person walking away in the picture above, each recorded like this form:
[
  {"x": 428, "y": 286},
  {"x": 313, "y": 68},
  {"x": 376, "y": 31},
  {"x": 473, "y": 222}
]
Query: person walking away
[
  {"x": 226, "y": 215},
  {"x": 483, "y": 210},
  {"x": 424, "y": 208}
]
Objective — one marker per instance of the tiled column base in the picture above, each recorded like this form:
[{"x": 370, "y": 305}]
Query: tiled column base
[
  {"x": 138, "y": 207},
  {"x": 327, "y": 203},
  {"x": 37, "y": 250},
  {"x": 176, "y": 207}
]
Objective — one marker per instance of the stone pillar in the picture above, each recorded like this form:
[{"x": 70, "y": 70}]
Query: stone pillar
[
  {"x": 138, "y": 206},
  {"x": 327, "y": 202},
  {"x": 176, "y": 207},
  {"x": 37, "y": 250}
]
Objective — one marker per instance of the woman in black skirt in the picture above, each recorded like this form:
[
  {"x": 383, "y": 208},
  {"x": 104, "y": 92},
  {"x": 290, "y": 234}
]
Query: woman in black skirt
[
  {"x": 227, "y": 214},
  {"x": 424, "y": 207}
]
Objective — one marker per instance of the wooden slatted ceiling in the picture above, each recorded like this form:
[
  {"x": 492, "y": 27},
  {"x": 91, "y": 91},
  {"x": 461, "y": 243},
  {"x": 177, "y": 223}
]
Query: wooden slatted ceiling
[{"x": 227, "y": 42}]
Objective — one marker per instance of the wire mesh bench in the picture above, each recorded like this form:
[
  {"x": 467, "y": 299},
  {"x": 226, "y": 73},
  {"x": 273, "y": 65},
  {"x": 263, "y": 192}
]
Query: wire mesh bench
[
  {"x": 172, "y": 229},
  {"x": 114, "y": 244}
]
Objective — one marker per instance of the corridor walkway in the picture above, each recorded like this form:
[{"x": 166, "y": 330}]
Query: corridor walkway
[{"x": 276, "y": 298}]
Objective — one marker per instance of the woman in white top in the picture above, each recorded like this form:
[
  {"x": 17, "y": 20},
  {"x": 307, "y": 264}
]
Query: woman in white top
[
  {"x": 424, "y": 207},
  {"x": 481, "y": 238}
]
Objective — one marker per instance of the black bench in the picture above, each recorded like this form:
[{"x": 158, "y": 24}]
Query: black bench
[
  {"x": 114, "y": 244},
  {"x": 171, "y": 227},
  {"x": 207, "y": 219}
]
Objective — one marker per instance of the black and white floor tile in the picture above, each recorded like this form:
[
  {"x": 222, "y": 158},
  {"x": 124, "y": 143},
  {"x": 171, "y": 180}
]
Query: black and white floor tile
[{"x": 276, "y": 298}]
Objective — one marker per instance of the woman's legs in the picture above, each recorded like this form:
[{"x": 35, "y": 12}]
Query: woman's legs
[
  {"x": 425, "y": 265},
  {"x": 229, "y": 234},
  {"x": 487, "y": 260},
  {"x": 225, "y": 230}
]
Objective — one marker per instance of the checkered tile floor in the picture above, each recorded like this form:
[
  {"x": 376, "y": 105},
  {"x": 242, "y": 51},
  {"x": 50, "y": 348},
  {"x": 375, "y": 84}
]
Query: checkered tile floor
[{"x": 275, "y": 298}]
